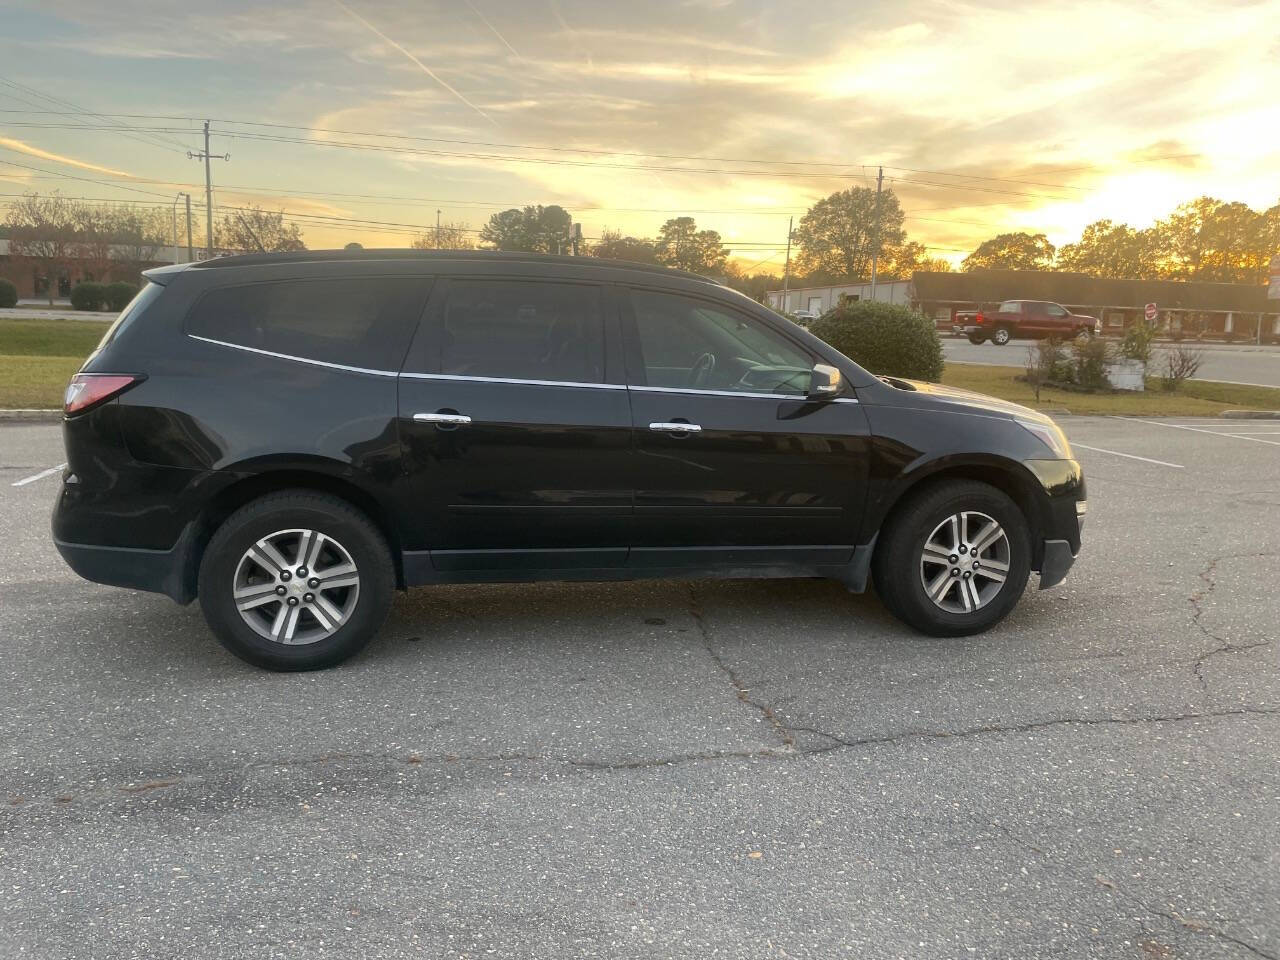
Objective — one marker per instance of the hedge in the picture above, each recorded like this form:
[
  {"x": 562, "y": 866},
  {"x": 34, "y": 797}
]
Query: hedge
[
  {"x": 886, "y": 339},
  {"x": 88, "y": 296},
  {"x": 118, "y": 295},
  {"x": 8, "y": 294}
]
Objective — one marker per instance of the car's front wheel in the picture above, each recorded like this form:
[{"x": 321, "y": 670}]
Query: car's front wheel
[
  {"x": 954, "y": 559},
  {"x": 296, "y": 581}
]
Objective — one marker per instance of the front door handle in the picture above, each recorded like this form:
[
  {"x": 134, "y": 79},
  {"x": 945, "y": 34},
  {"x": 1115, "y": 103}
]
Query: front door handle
[
  {"x": 677, "y": 427},
  {"x": 449, "y": 419}
]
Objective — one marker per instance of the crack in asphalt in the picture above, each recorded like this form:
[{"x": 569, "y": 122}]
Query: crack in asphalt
[
  {"x": 742, "y": 691},
  {"x": 787, "y": 752},
  {"x": 1209, "y": 576},
  {"x": 1187, "y": 923}
]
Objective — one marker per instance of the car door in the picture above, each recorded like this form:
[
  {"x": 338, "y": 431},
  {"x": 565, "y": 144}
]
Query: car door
[
  {"x": 1032, "y": 321},
  {"x": 1057, "y": 321},
  {"x": 734, "y": 464},
  {"x": 515, "y": 429}
]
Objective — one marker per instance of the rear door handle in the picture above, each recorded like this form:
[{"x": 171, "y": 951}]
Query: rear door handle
[
  {"x": 675, "y": 427},
  {"x": 452, "y": 419}
]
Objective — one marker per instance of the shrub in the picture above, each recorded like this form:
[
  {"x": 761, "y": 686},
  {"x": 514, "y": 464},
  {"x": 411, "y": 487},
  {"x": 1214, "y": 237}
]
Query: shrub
[
  {"x": 1090, "y": 359},
  {"x": 1137, "y": 341},
  {"x": 887, "y": 339},
  {"x": 118, "y": 295},
  {"x": 88, "y": 296},
  {"x": 8, "y": 294},
  {"x": 1180, "y": 363}
]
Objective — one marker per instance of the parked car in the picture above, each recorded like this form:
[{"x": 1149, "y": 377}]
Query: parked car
[
  {"x": 290, "y": 438},
  {"x": 804, "y": 317},
  {"x": 1034, "y": 319}
]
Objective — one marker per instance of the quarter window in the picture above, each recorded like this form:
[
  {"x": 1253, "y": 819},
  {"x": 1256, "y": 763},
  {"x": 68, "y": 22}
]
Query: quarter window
[
  {"x": 693, "y": 344},
  {"x": 356, "y": 322},
  {"x": 523, "y": 330}
]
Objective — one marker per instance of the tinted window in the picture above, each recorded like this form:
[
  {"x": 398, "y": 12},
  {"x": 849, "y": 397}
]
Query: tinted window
[
  {"x": 695, "y": 344},
  {"x": 523, "y": 330},
  {"x": 1010, "y": 306},
  {"x": 359, "y": 322},
  {"x": 1054, "y": 310}
]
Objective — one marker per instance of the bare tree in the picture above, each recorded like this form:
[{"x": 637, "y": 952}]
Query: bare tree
[
  {"x": 42, "y": 232},
  {"x": 448, "y": 236},
  {"x": 1181, "y": 362}
]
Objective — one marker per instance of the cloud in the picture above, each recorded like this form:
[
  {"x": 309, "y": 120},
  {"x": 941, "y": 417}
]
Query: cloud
[{"x": 34, "y": 151}]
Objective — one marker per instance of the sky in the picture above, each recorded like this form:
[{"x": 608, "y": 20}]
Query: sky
[{"x": 986, "y": 118}]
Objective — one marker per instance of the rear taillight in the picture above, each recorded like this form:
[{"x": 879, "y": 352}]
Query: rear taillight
[
  {"x": 979, "y": 318},
  {"x": 87, "y": 390}
]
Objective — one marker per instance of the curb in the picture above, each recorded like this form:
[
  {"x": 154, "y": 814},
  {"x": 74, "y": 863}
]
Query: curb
[
  {"x": 1250, "y": 414},
  {"x": 30, "y": 416}
]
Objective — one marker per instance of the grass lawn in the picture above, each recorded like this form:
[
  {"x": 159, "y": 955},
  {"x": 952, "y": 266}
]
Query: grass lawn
[
  {"x": 35, "y": 383},
  {"x": 1195, "y": 398},
  {"x": 49, "y": 338}
]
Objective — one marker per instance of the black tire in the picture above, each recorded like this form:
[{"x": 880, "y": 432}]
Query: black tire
[
  {"x": 1001, "y": 336},
  {"x": 286, "y": 510},
  {"x": 897, "y": 562},
  {"x": 976, "y": 338}
]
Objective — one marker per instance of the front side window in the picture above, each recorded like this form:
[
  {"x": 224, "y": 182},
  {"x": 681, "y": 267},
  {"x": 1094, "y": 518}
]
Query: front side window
[
  {"x": 1010, "y": 306},
  {"x": 359, "y": 322},
  {"x": 693, "y": 344},
  {"x": 523, "y": 330},
  {"x": 1055, "y": 311}
]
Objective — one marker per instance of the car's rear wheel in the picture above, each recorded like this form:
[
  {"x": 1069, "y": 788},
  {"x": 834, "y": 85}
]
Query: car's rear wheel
[
  {"x": 954, "y": 559},
  {"x": 1001, "y": 336},
  {"x": 976, "y": 338},
  {"x": 296, "y": 581}
]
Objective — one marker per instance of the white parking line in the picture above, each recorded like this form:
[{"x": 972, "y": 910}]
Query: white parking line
[
  {"x": 1130, "y": 456},
  {"x": 1212, "y": 433},
  {"x": 39, "y": 476}
]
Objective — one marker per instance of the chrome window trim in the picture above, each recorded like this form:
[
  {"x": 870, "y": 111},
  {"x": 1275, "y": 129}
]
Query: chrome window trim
[
  {"x": 738, "y": 393},
  {"x": 536, "y": 383},
  {"x": 287, "y": 356}
]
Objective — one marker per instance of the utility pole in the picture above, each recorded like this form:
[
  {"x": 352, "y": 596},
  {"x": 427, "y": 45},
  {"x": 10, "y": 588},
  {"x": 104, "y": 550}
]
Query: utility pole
[
  {"x": 576, "y": 237},
  {"x": 875, "y": 246},
  {"x": 206, "y": 156},
  {"x": 786, "y": 271},
  {"x": 437, "y": 229},
  {"x": 191, "y": 254}
]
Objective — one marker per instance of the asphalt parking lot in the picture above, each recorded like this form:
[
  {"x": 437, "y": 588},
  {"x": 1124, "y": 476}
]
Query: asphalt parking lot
[{"x": 672, "y": 769}]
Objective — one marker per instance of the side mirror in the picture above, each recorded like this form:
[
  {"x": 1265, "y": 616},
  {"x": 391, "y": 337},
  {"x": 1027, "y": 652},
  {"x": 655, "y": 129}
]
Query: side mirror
[{"x": 824, "y": 382}]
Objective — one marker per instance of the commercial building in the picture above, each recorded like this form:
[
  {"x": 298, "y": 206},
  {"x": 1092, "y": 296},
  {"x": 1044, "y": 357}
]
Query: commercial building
[{"x": 822, "y": 299}]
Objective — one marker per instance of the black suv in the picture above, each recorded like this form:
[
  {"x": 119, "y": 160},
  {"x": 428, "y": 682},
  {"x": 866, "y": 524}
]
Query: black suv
[{"x": 293, "y": 437}]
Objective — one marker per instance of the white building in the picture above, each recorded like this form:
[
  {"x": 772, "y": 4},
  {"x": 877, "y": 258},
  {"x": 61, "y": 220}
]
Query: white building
[{"x": 822, "y": 299}]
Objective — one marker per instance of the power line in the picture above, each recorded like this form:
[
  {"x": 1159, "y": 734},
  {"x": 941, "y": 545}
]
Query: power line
[{"x": 120, "y": 128}]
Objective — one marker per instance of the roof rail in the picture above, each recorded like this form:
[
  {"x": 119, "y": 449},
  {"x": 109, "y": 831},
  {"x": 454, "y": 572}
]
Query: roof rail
[{"x": 320, "y": 256}]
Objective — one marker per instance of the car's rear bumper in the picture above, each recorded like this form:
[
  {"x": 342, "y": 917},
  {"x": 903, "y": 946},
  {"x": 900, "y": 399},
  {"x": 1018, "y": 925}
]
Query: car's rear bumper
[
  {"x": 156, "y": 571},
  {"x": 967, "y": 329}
]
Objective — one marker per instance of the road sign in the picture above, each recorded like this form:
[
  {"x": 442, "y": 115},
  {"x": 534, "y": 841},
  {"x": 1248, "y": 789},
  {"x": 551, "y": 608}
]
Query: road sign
[
  {"x": 1150, "y": 313},
  {"x": 1273, "y": 291}
]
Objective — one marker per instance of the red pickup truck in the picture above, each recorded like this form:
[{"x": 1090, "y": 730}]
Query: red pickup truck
[{"x": 1035, "y": 319}]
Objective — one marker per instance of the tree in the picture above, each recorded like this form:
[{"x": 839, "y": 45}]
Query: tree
[
  {"x": 836, "y": 237},
  {"x": 1012, "y": 251},
  {"x": 1114, "y": 250},
  {"x": 138, "y": 234},
  {"x": 42, "y": 230},
  {"x": 448, "y": 236},
  {"x": 682, "y": 245},
  {"x": 900, "y": 262},
  {"x": 536, "y": 229},
  {"x": 612, "y": 245},
  {"x": 256, "y": 230},
  {"x": 754, "y": 285}
]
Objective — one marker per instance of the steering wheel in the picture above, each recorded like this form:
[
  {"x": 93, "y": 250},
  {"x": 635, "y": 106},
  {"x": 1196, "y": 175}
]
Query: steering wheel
[{"x": 701, "y": 369}]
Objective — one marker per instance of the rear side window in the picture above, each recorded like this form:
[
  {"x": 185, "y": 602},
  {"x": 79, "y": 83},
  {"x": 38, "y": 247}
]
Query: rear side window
[
  {"x": 357, "y": 322},
  {"x": 144, "y": 298},
  {"x": 523, "y": 330},
  {"x": 1010, "y": 306}
]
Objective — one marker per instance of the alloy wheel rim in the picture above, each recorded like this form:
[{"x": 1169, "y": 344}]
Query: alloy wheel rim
[
  {"x": 296, "y": 586},
  {"x": 964, "y": 562},
  {"x": 1002, "y": 336}
]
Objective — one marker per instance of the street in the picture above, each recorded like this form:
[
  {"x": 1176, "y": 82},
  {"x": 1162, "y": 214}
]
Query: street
[
  {"x": 674, "y": 768},
  {"x": 1259, "y": 366}
]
